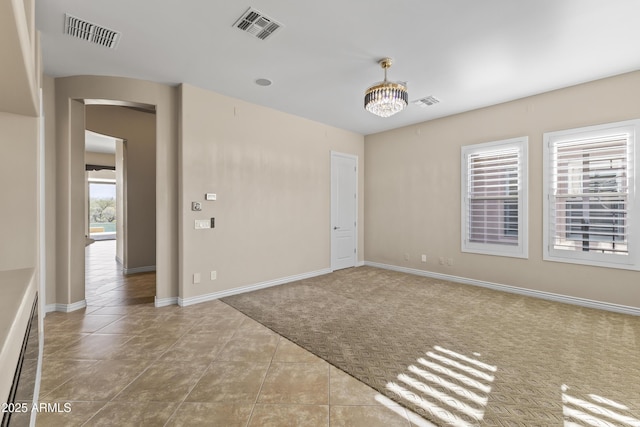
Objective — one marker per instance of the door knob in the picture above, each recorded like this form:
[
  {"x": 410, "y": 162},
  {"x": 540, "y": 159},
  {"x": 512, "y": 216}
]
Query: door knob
[{"x": 336, "y": 228}]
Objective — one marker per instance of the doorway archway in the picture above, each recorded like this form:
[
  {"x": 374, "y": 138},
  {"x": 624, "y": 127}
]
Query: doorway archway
[{"x": 73, "y": 94}]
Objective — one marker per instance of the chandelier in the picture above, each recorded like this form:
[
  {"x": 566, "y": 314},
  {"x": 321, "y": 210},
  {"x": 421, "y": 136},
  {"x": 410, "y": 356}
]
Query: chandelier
[{"x": 386, "y": 98}]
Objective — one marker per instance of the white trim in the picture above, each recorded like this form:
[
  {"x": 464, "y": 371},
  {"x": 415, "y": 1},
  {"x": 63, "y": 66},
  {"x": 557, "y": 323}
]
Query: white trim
[
  {"x": 163, "y": 302},
  {"x": 135, "y": 270},
  {"x": 66, "y": 308},
  {"x": 521, "y": 250},
  {"x": 183, "y": 302},
  {"x": 583, "y": 302},
  {"x": 632, "y": 260}
]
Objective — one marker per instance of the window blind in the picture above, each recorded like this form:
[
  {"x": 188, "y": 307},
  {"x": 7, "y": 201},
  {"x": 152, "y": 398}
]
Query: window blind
[
  {"x": 493, "y": 196},
  {"x": 589, "y": 198}
]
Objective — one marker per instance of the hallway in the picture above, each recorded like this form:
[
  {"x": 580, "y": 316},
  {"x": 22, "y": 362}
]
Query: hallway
[{"x": 106, "y": 286}]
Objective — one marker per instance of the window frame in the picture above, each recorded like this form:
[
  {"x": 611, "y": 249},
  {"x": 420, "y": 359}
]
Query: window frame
[
  {"x": 520, "y": 249},
  {"x": 631, "y": 261}
]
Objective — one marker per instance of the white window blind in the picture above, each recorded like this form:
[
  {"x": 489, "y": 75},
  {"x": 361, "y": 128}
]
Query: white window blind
[
  {"x": 493, "y": 184},
  {"x": 590, "y": 181}
]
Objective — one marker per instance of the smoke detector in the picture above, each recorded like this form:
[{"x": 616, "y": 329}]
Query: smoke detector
[
  {"x": 90, "y": 32},
  {"x": 257, "y": 24}
]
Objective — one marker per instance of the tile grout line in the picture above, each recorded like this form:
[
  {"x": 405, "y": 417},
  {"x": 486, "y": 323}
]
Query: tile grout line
[
  {"x": 173, "y": 414},
  {"x": 118, "y": 393},
  {"x": 152, "y": 361},
  {"x": 263, "y": 380}
]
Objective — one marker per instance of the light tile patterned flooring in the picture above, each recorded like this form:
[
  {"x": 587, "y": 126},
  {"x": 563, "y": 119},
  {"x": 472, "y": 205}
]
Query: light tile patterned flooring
[{"x": 121, "y": 361}]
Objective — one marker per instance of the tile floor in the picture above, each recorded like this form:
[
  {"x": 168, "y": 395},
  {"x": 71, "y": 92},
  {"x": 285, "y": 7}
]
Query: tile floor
[{"x": 121, "y": 361}]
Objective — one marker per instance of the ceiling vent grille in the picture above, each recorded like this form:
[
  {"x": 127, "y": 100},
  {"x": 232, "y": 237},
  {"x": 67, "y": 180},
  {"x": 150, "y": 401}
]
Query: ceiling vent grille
[
  {"x": 427, "y": 101},
  {"x": 90, "y": 32},
  {"x": 257, "y": 24}
]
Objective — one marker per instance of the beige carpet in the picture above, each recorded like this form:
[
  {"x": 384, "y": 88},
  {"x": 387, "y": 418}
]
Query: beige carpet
[{"x": 461, "y": 355}]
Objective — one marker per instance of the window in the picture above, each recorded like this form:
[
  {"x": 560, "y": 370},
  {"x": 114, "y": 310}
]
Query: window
[
  {"x": 494, "y": 192},
  {"x": 589, "y": 195},
  {"x": 102, "y": 206}
]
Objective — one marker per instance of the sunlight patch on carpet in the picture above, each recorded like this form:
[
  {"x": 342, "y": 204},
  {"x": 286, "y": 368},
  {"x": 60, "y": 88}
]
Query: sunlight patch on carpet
[
  {"x": 600, "y": 412},
  {"x": 434, "y": 390}
]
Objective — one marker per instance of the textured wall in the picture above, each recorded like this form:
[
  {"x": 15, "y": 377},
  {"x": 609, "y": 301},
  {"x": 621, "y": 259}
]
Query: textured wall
[{"x": 271, "y": 174}]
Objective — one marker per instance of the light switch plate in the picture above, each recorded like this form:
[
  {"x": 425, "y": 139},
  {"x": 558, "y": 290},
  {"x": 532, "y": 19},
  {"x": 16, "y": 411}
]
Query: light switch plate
[{"x": 202, "y": 224}]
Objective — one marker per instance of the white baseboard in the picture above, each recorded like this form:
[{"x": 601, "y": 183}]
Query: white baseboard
[
  {"x": 65, "y": 308},
  {"x": 183, "y": 302},
  {"x": 135, "y": 270},
  {"x": 617, "y": 308},
  {"x": 163, "y": 302}
]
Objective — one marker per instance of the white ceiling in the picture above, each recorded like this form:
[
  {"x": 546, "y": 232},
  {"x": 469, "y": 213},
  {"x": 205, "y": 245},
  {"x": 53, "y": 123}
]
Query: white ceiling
[{"x": 468, "y": 53}]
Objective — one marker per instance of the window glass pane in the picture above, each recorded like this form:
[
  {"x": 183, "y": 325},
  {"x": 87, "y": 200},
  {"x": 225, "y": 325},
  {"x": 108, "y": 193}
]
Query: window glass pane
[
  {"x": 493, "y": 197},
  {"x": 102, "y": 207},
  {"x": 591, "y": 187}
]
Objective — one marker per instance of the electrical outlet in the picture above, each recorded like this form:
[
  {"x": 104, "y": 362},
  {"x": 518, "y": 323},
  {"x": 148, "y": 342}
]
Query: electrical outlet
[
  {"x": 424, "y": 258},
  {"x": 214, "y": 275},
  {"x": 450, "y": 262},
  {"x": 196, "y": 206},
  {"x": 441, "y": 260},
  {"x": 196, "y": 278}
]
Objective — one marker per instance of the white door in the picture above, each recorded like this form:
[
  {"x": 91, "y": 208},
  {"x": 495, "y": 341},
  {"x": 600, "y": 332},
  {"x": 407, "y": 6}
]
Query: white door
[{"x": 344, "y": 210}]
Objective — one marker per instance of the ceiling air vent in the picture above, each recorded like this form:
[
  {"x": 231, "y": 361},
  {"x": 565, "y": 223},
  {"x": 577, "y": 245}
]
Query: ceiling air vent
[
  {"x": 255, "y": 23},
  {"x": 427, "y": 101},
  {"x": 90, "y": 32}
]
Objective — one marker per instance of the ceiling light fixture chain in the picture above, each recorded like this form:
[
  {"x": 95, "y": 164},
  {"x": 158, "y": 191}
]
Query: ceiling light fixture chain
[{"x": 386, "y": 98}]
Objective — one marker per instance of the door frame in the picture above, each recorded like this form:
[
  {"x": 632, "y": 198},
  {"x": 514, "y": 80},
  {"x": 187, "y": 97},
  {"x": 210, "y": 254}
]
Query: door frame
[{"x": 354, "y": 157}]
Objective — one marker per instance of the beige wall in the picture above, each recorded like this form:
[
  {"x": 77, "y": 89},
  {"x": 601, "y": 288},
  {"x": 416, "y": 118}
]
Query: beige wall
[
  {"x": 138, "y": 129},
  {"x": 18, "y": 192},
  {"x": 20, "y": 50},
  {"x": 412, "y": 183},
  {"x": 70, "y": 125},
  {"x": 271, "y": 174}
]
